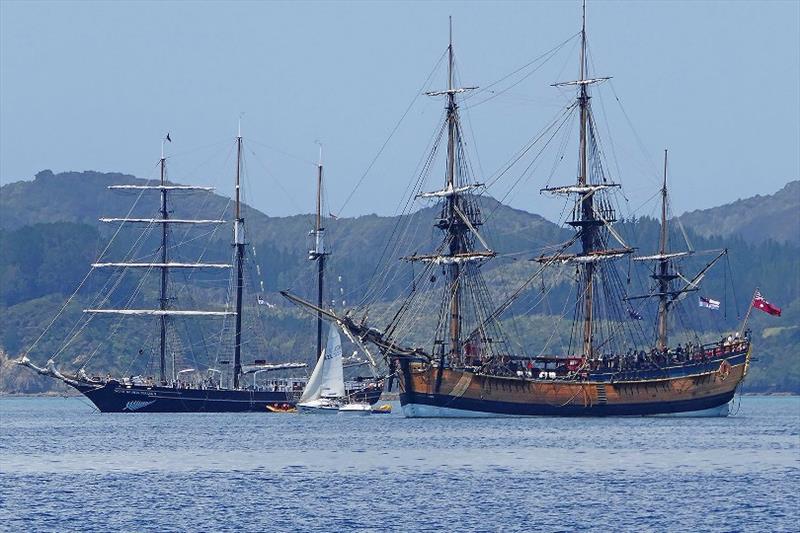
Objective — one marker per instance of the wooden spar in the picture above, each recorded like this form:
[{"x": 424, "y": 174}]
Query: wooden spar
[
  {"x": 453, "y": 228},
  {"x": 319, "y": 254},
  {"x": 587, "y": 202},
  {"x": 161, "y": 187},
  {"x": 238, "y": 238},
  {"x": 160, "y": 221},
  {"x": 747, "y": 315},
  {"x": 664, "y": 234},
  {"x": 161, "y": 265},
  {"x": 663, "y": 269},
  {"x": 157, "y": 312},
  {"x": 164, "y": 274}
]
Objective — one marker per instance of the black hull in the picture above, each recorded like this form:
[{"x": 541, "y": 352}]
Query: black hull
[{"x": 113, "y": 397}]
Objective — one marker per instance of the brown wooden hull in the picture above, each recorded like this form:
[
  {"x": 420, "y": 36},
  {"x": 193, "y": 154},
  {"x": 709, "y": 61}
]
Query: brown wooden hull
[{"x": 703, "y": 388}]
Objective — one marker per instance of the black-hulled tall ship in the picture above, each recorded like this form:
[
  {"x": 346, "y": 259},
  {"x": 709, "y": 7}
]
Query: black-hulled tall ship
[
  {"x": 230, "y": 385},
  {"x": 611, "y": 367}
]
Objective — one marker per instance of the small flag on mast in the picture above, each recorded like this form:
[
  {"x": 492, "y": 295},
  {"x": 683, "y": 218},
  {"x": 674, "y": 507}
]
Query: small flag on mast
[
  {"x": 168, "y": 138},
  {"x": 760, "y": 303},
  {"x": 709, "y": 303}
]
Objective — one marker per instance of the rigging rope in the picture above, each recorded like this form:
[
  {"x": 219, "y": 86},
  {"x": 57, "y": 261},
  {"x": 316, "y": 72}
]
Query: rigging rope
[
  {"x": 391, "y": 134},
  {"x": 86, "y": 277}
]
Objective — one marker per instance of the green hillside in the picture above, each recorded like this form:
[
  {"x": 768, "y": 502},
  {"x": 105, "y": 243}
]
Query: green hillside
[{"x": 773, "y": 216}]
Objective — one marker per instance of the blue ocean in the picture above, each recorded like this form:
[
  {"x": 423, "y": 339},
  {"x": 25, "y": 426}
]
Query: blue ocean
[{"x": 66, "y": 467}]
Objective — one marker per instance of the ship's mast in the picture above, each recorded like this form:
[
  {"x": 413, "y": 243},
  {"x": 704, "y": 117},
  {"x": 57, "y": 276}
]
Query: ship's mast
[
  {"x": 163, "y": 300},
  {"x": 165, "y": 265},
  {"x": 663, "y": 275},
  {"x": 588, "y": 225},
  {"x": 665, "y": 272},
  {"x": 238, "y": 242},
  {"x": 458, "y": 220},
  {"x": 454, "y": 226},
  {"x": 592, "y": 215},
  {"x": 318, "y": 254}
]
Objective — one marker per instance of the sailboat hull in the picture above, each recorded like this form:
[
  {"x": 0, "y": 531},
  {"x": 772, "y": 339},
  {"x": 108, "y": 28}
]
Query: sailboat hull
[
  {"x": 114, "y": 397},
  {"x": 703, "y": 389}
]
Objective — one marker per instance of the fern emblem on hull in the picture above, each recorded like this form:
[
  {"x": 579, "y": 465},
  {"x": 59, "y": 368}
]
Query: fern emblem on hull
[{"x": 135, "y": 405}]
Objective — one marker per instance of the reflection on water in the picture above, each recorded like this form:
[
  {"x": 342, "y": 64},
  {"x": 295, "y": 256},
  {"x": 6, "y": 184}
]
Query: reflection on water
[{"x": 64, "y": 464}]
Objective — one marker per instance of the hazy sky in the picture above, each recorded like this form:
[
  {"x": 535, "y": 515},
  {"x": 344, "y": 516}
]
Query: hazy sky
[{"x": 95, "y": 85}]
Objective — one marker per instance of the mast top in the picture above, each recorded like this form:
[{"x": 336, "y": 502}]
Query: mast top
[
  {"x": 450, "y": 54},
  {"x": 583, "y": 42},
  {"x": 450, "y": 20},
  {"x": 166, "y": 138},
  {"x": 451, "y": 90},
  {"x": 664, "y": 234},
  {"x": 583, "y": 23}
]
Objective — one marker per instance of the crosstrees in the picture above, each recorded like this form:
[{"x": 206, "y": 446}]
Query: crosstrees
[{"x": 163, "y": 313}]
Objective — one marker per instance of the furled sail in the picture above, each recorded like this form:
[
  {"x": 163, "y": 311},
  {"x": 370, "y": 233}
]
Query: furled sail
[
  {"x": 162, "y": 265},
  {"x": 163, "y": 220},
  {"x": 161, "y": 187},
  {"x": 158, "y": 312}
]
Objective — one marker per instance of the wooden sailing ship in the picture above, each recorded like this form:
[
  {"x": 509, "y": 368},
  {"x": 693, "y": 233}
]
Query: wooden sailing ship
[
  {"x": 471, "y": 369},
  {"x": 189, "y": 390}
]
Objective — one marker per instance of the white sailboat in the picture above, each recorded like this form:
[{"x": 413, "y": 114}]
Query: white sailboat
[{"x": 325, "y": 392}]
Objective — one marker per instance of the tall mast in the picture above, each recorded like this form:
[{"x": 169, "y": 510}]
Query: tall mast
[
  {"x": 454, "y": 226},
  {"x": 163, "y": 300},
  {"x": 587, "y": 202},
  {"x": 318, "y": 254},
  {"x": 663, "y": 275},
  {"x": 164, "y": 311},
  {"x": 458, "y": 219},
  {"x": 238, "y": 241}
]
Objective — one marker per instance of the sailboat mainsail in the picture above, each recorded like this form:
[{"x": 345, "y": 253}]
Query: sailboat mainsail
[
  {"x": 327, "y": 379},
  {"x": 313, "y": 387},
  {"x": 332, "y": 385}
]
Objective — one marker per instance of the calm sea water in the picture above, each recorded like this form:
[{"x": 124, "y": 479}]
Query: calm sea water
[{"x": 67, "y": 468}]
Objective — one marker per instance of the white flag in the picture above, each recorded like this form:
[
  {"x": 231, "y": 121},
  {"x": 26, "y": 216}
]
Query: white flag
[{"x": 709, "y": 303}]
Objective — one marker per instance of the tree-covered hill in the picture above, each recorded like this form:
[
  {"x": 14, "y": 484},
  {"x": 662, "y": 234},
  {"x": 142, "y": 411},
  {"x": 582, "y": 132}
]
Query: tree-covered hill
[
  {"x": 49, "y": 233},
  {"x": 772, "y": 216}
]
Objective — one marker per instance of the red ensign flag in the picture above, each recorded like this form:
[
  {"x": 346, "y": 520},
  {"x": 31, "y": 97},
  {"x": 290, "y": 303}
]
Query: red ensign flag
[{"x": 760, "y": 303}]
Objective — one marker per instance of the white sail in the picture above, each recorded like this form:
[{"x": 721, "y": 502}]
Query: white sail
[
  {"x": 162, "y": 187},
  {"x": 162, "y": 265},
  {"x": 157, "y": 312},
  {"x": 313, "y": 387},
  {"x": 332, "y": 382},
  {"x": 163, "y": 220}
]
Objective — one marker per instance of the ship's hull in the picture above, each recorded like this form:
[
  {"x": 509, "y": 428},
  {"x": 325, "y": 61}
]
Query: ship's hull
[
  {"x": 114, "y": 397},
  {"x": 702, "y": 389}
]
